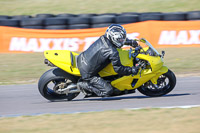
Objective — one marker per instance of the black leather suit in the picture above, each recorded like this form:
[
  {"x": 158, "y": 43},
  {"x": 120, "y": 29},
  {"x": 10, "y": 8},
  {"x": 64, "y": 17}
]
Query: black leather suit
[{"x": 93, "y": 60}]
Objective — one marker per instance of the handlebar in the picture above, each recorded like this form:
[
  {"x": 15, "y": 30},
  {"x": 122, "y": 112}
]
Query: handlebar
[{"x": 135, "y": 54}]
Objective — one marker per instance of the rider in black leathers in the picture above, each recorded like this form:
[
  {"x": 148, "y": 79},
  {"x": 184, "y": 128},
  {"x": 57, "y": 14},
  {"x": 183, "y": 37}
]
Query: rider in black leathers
[{"x": 99, "y": 55}]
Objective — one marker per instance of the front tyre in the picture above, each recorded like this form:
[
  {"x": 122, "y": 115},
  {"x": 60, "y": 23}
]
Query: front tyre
[
  {"x": 165, "y": 84},
  {"x": 51, "y": 82}
]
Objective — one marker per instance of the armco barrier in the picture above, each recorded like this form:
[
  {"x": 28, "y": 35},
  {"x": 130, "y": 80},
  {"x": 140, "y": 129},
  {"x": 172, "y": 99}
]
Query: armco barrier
[{"x": 159, "y": 33}]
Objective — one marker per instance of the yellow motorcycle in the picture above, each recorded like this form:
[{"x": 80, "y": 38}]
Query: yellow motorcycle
[{"x": 153, "y": 79}]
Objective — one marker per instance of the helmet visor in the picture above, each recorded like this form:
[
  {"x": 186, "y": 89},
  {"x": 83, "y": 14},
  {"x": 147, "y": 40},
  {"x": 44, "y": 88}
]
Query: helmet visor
[{"x": 121, "y": 40}]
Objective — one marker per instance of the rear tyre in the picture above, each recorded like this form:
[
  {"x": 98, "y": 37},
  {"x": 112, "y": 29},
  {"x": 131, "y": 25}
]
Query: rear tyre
[
  {"x": 51, "y": 80},
  {"x": 165, "y": 84}
]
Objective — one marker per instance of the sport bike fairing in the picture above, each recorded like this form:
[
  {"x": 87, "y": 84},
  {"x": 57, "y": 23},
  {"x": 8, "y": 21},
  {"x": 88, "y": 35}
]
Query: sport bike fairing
[{"x": 66, "y": 60}]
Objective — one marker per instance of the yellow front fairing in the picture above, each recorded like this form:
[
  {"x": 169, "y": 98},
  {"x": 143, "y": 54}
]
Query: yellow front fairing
[
  {"x": 155, "y": 69},
  {"x": 127, "y": 82}
]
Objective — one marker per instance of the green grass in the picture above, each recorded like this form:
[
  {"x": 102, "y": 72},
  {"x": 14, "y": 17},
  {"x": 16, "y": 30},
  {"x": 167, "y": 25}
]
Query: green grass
[
  {"x": 21, "y": 68},
  {"x": 32, "y": 7},
  {"x": 182, "y": 60},
  {"x": 122, "y": 121},
  {"x": 27, "y": 68}
]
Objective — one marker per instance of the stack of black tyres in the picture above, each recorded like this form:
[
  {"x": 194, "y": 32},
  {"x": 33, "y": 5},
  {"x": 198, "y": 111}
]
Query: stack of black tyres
[
  {"x": 38, "y": 22},
  {"x": 125, "y": 19},
  {"x": 193, "y": 15},
  {"x": 58, "y": 22},
  {"x": 84, "y": 21},
  {"x": 55, "y": 23},
  {"x": 32, "y": 23},
  {"x": 175, "y": 16},
  {"x": 102, "y": 20},
  {"x": 79, "y": 22},
  {"x": 150, "y": 16},
  {"x": 7, "y": 21}
]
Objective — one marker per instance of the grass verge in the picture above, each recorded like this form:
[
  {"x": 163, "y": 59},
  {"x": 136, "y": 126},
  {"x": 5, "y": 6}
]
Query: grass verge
[
  {"x": 21, "y": 68},
  {"x": 27, "y": 68},
  {"x": 127, "y": 121},
  {"x": 32, "y": 7}
]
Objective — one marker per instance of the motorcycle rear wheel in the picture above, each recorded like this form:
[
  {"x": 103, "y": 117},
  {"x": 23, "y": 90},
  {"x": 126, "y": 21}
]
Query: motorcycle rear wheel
[
  {"x": 166, "y": 84},
  {"x": 50, "y": 79}
]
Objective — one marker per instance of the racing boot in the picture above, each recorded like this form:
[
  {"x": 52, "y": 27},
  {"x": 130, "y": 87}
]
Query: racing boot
[{"x": 84, "y": 87}]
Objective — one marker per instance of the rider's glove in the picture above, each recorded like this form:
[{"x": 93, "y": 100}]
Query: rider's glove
[
  {"x": 131, "y": 42},
  {"x": 134, "y": 70}
]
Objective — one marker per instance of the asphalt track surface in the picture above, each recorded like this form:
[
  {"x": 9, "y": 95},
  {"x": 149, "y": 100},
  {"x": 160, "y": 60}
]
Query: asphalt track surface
[{"x": 17, "y": 100}]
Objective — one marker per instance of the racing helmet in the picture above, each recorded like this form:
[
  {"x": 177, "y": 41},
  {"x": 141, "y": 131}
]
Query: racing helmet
[{"x": 116, "y": 34}]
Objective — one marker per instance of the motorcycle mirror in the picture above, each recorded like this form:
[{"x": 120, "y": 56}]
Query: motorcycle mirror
[
  {"x": 143, "y": 40},
  {"x": 163, "y": 54}
]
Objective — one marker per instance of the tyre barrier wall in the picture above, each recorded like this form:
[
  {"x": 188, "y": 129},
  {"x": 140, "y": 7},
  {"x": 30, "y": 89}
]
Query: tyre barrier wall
[
  {"x": 159, "y": 33},
  {"x": 84, "y": 21}
]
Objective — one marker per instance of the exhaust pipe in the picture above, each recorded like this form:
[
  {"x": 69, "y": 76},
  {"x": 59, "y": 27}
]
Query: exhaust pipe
[{"x": 46, "y": 61}]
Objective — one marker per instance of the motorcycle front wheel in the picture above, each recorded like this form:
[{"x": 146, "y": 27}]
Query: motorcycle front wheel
[
  {"x": 165, "y": 84},
  {"x": 50, "y": 83}
]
